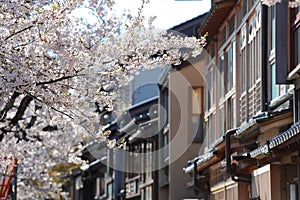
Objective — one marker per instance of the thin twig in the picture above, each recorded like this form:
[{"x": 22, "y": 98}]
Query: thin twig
[{"x": 20, "y": 31}]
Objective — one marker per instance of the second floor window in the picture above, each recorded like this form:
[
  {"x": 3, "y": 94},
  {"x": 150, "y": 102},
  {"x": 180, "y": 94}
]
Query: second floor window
[
  {"x": 295, "y": 39},
  {"x": 273, "y": 28},
  {"x": 222, "y": 121},
  {"x": 274, "y": 86},
  {"x": 222, "y": 76},
  {"x": 197, "y": 114},
  {"x": 229, "y": 70},
  {"x": 210, "y": 89},
  {"x": 227, "y": 65},
  {"x": 243, "y": 58}
]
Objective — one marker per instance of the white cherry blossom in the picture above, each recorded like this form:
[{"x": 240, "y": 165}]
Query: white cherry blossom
[{"x": 55, "y": 64}]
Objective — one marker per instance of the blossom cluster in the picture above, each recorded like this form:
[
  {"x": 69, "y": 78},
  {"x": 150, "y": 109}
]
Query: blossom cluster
[
  {"x": 292, "y": 3},
  {"x": 56, "y": 64}
]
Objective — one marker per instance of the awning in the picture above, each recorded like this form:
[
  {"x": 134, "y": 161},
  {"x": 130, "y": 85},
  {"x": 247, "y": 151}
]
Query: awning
[
  {"x": 217, "y": 15},
  {"x": 252, "y": 123},
  {"x": 200, "y": 159},
  {"x": 284, "y": 137},
  {"x": 90, "y": 165},
  {"x": 145, "y": 130},
  {"x": 262, "y": 150}
]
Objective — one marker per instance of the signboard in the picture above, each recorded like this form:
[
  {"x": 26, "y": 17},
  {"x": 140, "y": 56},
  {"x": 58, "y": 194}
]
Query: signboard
[{"x": 7, "y": 170}]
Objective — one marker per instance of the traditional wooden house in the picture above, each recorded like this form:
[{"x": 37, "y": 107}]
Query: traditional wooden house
[
  {"x": 139, "y": 130},
  {"x": 118, "y": 173},
  {"x": 93, "y": 180},
  {"x": 180, "y": 118},
  {"x": 250, "y": 146}
]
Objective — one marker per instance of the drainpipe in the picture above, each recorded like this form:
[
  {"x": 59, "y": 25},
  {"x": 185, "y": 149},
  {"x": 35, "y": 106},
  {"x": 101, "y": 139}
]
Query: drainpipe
[
  {"x": 231, "y": 169},
  {"x": 265, "y": 59},
  {"x": 196, "y": 184}
]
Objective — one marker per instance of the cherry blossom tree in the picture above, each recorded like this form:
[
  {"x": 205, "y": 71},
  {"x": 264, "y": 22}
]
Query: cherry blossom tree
[
  {"x": 58, "y": 68},
  {"x": 292, "y": 3}
]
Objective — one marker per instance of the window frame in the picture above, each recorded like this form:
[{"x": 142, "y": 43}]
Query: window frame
[
  {"x": 197, "y": 135},
  {"x": 295, "y": 27}
]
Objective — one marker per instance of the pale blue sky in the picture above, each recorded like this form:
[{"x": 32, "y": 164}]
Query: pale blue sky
[{"x": 169, "y": 12}]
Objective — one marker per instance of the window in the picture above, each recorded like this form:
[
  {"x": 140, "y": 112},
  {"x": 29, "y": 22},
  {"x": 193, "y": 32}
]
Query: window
[
  {"x": 148, "y": 161},
  {"x": 243, "y": 59},
  {"x": 254, "y": 48},
  {"x": 275, "y": 89},
  {"x": 232, "y": 192},
  {"x": 218, "y": 195},
  {"x": 211, "y": 52},
  {"x": 146, "y": 177},
  {"x": 261, "y": 182},
  {"x": 295, "y": 39},
  {"x": 148, "y": 193},
  {"x": 165, "y": 145},
  {"x": 197, "y": 115},
  {"x": 273, "y": 28},
  {"x": 231, "y": 25},
  {"x": 110, "y": 190},
  {"x": 219, "y": 189},
  {"x": 246, "y": 6},
  {"x": 207, "y": 131},
  {"x": 212, "y": 128},
  {"x": 223, "y": 36},
  {"x": 210, "y": 93},
  {"x": 297, "y": 106},
  {"x": 230, "y": 67},
  {"x": 250, "y": 60},
  {"x": 100, "y": 187},
  {"x": 164, "y": 124},
  {"x": 274, "y": 86},
  {"x": 297, "y": 45},
  {"x": 222, "y": 121},
  {"x": 222, "y": 78},
  {"x": 165, "y": 105},
  {"x": 134, "y": 160},
  {"x": 210, "y": 133},
  {"x": 231, "y": 112}
]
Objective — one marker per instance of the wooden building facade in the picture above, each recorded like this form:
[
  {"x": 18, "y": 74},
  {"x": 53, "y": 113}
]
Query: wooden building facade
[
  {"x": 230, "y": 117},
  {"x": 251, "y": 144}
]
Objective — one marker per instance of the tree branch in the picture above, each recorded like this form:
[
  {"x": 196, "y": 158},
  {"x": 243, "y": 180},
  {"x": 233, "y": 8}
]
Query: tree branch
[
  {"x": 62, "y": 112},
  {"x": 31, "y": 123},
  {"x": 59, "y": 79},
  {"x": 8, "y": 106},
  {"x": 55, "y": 80},
  {"x": 20, "y": 31},
  {"x": 32, "y": 96},
  {"x": 21, "y": 110}
]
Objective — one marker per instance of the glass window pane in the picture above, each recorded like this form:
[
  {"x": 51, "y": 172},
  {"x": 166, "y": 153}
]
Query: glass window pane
[
  {"x": 222, "y": 81},
  {"x": 275, "y": 91},
  {"x": 197, "y": 100},
  {"x": 233, "y": 46},
  {"x": 273, "y": 33},
  {"x": 222, "y": 121},
  {"x": 297, "y": 46}
]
